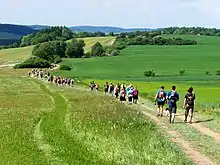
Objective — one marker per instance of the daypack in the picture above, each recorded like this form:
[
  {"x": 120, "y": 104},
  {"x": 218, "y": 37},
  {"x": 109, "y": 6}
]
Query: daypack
[
  {"x": 172, "y": 98},
  {"x": 116, "y": 90},
  {"x": 135, "y": 93},
  {"x": 190, "y": 97},
  {"x": 161, "y": 95}
]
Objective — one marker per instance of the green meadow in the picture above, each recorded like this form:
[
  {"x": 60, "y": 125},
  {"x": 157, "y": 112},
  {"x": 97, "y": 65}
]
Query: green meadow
[{"x": 44, "y": 124}]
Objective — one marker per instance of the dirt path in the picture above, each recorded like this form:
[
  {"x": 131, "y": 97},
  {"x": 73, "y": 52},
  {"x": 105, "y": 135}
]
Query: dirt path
[{"x": 198, "y": 126}]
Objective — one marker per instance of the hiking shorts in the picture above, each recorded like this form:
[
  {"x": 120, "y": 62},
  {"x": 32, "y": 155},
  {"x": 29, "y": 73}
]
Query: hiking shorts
[
  {"x": 190, "y": 108},
  {"x": 162, "y": 103},
  {"x": 130, "y": 99},
  {"x": 172, "y": 109}
]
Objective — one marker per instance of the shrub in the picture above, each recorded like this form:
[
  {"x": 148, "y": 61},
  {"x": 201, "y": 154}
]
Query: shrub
[
  {"x": 115, "y": 53},
  {"x": 182, "y": 72},
  {"x": 218, "y": 72},
  {"x": 97, "y": 49},
  {"x": 87, "y": 55},
  {"x": 150, "y": 73},
  {"x": 207, "y": 73},
  {"x": 33, "y": 62},
  {"x": 57, "y": 59},
  {"x": 65, "y": 67}
]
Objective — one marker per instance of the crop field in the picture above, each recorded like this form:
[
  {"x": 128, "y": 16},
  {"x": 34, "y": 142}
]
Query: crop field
[{"x": 166, "y": 61}]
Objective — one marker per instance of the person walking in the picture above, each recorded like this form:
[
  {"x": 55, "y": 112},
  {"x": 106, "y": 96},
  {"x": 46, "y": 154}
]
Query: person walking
[
  {"x": 135, "y": 95},
  {"x": 172, "y": 98},
  {"x": 160, "y": 99},
  {"x": 188, "y": 105}
]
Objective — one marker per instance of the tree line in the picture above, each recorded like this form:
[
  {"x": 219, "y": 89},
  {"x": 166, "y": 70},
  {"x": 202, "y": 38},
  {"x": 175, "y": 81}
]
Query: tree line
[
  {"x": 148, "y": 38},
  {"x": 191, "y": 31}
]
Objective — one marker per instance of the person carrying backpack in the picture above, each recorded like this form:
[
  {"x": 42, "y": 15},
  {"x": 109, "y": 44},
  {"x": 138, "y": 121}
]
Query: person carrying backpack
[
  {"x": 188, "y": 105},
  {"x": 122, "y": 95},
  {"x": 106, "y": 87},
  {"x": 135, "y": 95},
  {"x": 111, "y": 89},
  {"x": 160, "y": 99},
  {"x": 130, "y": 94},
  {"x": 97, "y": 87},
  {"x": 172, "y": 98},
  {"x": 117, "y": 91}
]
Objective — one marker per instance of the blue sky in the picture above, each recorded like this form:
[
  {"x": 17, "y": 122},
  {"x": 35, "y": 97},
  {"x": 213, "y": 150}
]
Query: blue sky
[{"x": 123, "y": 13}]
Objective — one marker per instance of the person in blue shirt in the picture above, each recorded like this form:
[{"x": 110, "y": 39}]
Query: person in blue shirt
[
  {"x": 172, "y": 98},
  {"x": 160, "y": 99}
]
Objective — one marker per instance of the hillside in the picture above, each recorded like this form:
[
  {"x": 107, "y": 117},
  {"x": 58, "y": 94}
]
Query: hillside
[
  {"x": 106, "y": 29},
  {"x": 12, "y": 33},
  {"x": 15, "y": 55}
]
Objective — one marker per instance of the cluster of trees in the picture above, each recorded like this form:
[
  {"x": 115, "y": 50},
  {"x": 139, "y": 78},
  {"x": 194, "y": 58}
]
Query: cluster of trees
[
  {"x": 53, "y": 52},
  {"x": 148, "y": 38},
  {"x": 100, "y": 51},
  {"x": 191, "y": 31},
  {"x": 56, "y": 33}
]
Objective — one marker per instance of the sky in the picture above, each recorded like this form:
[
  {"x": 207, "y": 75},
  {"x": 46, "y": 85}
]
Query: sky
[{"x": 120, "y": 13}]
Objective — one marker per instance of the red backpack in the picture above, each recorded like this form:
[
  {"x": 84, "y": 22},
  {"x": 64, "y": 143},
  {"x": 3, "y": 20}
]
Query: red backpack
[{"x": 135, "y": 93}]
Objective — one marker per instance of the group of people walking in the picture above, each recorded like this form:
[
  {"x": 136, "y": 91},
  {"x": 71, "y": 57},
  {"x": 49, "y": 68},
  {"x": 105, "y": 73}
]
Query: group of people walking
[
  {"x": 131, "y": 93},
  {"x": 119, "y": 91},
  {"x": 58, "y": 80},
  {"x": 171, "y": 98}
]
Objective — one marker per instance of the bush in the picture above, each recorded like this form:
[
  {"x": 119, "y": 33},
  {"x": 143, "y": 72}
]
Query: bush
[
  {"x": 115, "y": 53},
  {"x": 57, "y": 59},
  {"x": 218, "y": 72},
  {"x": 207, "y": 73},
  {"x": 150, "y": 73},
  {"x": 182, "y": 72},
  {"x": 65, "y": 67},
  {"x": 33, "y": 62},
  {"x": 87, "y": 55}
]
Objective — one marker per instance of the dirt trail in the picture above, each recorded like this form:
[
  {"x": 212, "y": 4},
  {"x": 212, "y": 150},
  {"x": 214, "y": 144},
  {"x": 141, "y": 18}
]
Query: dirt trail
[{"x": 198, "y": 126}]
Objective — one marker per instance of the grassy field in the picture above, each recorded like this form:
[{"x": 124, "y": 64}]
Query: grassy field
[
  {"x": 42, "y": 124},
  {"x": 9, "y": 56},
  {"x": 165, "y": 60},
  {"x": 15, "y": 55}
]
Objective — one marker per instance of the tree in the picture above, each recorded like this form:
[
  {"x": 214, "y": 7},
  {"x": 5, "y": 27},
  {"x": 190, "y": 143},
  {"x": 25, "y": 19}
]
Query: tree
[
  {"x": 111, "y": 34},
  {"x": 97, "y": 49},
  {"x": 75, "y": 48}
]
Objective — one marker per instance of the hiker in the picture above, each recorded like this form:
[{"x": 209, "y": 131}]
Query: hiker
[
  {"x": 106, "y": 87},
  {"x": 160, "y": 99},
  {"x": 135, "y": 95},
  {"x": 172, "y": 98},
  {"x": 97, "y": 87},
  {"x": 117, "y": 90},
  {"x": 122, "y": 96},
  {"x": 130, "y": 94},
  {"x": 72, "y": 82},
  {"x": 92, "y": 85},
  {"x": 111, "y": 89},
  {"x": 188, "y": 105}
]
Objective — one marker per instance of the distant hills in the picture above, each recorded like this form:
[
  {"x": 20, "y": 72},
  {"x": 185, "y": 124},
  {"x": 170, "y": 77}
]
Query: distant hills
[
  {"x": 10, "y": 33},
  {"x": 104, "y": 29}
]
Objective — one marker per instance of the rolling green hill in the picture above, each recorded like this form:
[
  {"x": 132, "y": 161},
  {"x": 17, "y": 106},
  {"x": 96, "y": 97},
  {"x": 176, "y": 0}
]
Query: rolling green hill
[{"x": 167, "y": 61}]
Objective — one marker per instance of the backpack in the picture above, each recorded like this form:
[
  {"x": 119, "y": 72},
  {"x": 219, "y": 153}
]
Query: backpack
[
  {"x": 135, "y": 93},
  {"x": 190, "y": 99},
  {"x": 161, "y": 95},
  {"x": 172, "y": 98},
  {"x": 116, "y": 90}
]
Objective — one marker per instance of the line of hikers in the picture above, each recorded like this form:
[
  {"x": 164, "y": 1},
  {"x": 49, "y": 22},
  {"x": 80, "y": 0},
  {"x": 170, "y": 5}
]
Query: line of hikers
[
  {"x": 58, "y": 80},
  {"x": 171, "y": 98},
  {"x": 122, "y": 92},
  {"x": 119, "y": 91}
]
